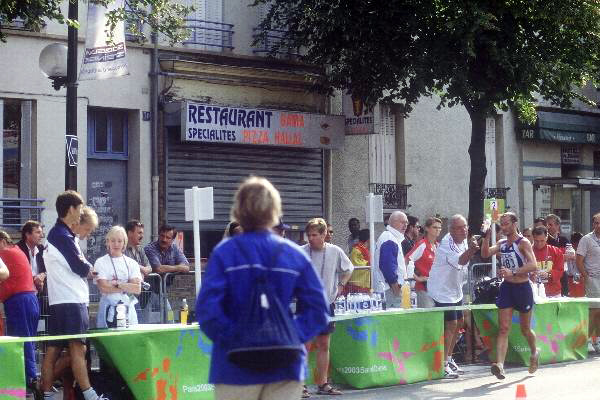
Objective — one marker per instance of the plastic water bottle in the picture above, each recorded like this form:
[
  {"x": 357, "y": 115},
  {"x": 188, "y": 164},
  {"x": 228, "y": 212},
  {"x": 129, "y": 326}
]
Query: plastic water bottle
[
  {"x": 350, "y": 303},
  {"x": 365, "y": 303},
  {"x": 183, "y": 314},
  {"x": 413, "y": 299},
  {"x": 340, "y": 305},
  {"x": 405, "y": 295},
  {"x": 374, "y": 304},
  {"x": 121, "y": 315}
]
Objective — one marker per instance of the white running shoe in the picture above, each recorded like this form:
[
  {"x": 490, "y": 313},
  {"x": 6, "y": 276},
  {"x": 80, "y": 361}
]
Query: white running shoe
[
  {"x": 449, "y": 373},
  {"x": 534, "y": 361},
  {"x": 455, "y": 367}
]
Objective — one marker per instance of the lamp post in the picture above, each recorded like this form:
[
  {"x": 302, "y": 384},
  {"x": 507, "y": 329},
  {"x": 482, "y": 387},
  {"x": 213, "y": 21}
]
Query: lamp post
[{"x": 53, "y": 65}]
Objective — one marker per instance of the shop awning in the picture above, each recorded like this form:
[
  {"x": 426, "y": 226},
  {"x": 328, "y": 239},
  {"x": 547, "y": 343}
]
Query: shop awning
[{"x": 562, "y": 127}]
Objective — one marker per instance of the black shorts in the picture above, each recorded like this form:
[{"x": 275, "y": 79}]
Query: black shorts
[
  {"x": 330, "y": 326},
  {"x": 451, "y": 315},
  {"x": 67, "y": 319},
  {"x": 515, "y": 295}
]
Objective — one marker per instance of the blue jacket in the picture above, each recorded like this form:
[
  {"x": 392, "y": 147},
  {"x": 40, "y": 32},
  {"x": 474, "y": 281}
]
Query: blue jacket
[{"x": 227, "y": 285}]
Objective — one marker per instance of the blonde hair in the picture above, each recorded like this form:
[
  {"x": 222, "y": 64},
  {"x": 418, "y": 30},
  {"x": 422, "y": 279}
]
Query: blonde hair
[
  {"x": 316, "y": 223},
  {"x": 6, "y": 237},
  {"x": 88, "y": 216},
  {"x": 117, "y": 230},
  {"x": 256, "y": 205}
]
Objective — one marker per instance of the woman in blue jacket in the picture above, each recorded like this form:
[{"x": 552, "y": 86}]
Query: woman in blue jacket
[{"x": 227, "y": 287}]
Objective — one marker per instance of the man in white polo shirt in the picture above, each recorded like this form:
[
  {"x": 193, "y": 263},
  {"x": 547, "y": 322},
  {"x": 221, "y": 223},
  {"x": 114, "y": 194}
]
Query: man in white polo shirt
[
  {"x": 588, "y": 264},
  {"x": 446, "y": 280}
]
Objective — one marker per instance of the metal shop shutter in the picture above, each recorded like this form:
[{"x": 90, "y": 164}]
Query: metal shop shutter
[{"x": 296, "y": 173}]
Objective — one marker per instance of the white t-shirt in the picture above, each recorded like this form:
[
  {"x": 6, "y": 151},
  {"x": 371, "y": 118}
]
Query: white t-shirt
[
  {"x": 122, "y": 269},
  {"x": 329, "y": 263},
  {"x": 589, "y": 248},
  {"x": 446, "y": 276}
]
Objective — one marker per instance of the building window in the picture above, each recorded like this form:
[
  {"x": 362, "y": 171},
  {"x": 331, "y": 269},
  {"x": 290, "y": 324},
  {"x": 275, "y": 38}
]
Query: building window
[
  {"x": 597, "y": 164},
  {"x": 11, "y": 148},
  {"x": 107, "y": 134}
]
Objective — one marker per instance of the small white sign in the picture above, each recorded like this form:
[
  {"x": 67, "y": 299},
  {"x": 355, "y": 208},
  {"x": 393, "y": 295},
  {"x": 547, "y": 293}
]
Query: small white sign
[
  {"x": 374, "y": 208},
  {"x": 204, "y": 206}
]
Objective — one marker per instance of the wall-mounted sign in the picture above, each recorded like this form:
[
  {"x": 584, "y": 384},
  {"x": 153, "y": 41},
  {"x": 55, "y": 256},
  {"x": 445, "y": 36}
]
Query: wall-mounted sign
[
  {"x": 236, "y": 125},
  {"x": 72, "y": 149},
  {"x": 359, "y": 119},
  {"x": 570, "y": 155}
]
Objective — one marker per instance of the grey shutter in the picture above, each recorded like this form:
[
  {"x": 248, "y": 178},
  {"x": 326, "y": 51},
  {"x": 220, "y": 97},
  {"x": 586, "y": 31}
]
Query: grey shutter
[{"x": 296, "y": 173}]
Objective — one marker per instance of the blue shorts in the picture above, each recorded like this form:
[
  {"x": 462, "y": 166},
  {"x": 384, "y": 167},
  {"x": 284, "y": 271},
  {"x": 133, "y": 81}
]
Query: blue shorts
[
  {"x": 331, "y": 325},
  {"x": 67, "y": 319},
  {"x": 451, "y": 315},
  {"x": 515, "y": 295}
]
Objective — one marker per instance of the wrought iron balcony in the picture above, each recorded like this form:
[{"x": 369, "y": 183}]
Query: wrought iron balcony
[
  {"x": 275, "y": 39},
  {"x": 209, "y": 35},
  {"x": 394, "y": 196},
  {"x": 14, "y": 212},
  {"x": 496, "y": 193}
]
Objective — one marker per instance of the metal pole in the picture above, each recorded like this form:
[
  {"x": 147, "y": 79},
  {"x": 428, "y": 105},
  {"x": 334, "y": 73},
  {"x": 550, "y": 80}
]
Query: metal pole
[
  {"x": 154, "y": 132},
  {"x": 71, "y": 114}
]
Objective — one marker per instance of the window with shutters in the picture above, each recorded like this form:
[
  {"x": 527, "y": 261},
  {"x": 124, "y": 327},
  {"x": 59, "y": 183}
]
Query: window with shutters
[
  {"x": 382, "y": 147},
  {"x": 207, "y": 30}
]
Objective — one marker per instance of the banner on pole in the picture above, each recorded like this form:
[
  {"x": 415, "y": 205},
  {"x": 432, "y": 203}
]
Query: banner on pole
[{"x": 102, "y": 60}]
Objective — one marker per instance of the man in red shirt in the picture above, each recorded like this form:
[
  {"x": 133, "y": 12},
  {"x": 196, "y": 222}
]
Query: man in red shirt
[
  {"x": 21, "y": 305},
  {"x": 550, "y": 262}
]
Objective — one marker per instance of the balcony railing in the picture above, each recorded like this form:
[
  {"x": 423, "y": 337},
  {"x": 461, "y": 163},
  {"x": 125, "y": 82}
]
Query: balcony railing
[
  {"x": 209, "y": 35},
  {"x": 275, "y": 39},
  {"x": 14, "y": 212},
  {"x": 16, "y": 24},
  {"x": 394, "y": 196}
]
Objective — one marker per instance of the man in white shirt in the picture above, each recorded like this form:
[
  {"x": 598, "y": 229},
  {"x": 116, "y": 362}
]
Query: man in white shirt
[
  {"x": 446, "y": 280},
  {"x": 31, "y": 244},
  {"x": 334, "y": 268},
  {"x": 390, "y": 270}
]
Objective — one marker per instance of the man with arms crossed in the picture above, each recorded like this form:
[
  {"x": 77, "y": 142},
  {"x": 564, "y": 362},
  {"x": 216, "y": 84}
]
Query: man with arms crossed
[
  {"x": 68, "y": 295},
  {"x": 390, "y": 269},
  {"x": 334, "y": 269},
  {"x": 588, "y": 264},
  {"x": 517, "y": 261},
  {"x": 445, "y": 284}
]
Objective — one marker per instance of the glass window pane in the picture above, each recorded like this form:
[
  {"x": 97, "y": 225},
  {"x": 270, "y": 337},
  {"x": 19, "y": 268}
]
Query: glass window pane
[
  {"x": 101, "y": 144},
  {"x": 117, "y": 134},
  {"x": 11, "y": 150}
]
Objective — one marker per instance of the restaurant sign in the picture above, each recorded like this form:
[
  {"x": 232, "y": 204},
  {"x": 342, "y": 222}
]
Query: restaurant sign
[{"x": 236, "y": 125}]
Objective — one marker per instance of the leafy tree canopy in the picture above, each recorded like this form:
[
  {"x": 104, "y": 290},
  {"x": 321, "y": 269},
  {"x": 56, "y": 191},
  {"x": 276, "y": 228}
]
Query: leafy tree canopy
[
  {"x": 484, "y": 55},
  {"x": 164, "y": 16}
]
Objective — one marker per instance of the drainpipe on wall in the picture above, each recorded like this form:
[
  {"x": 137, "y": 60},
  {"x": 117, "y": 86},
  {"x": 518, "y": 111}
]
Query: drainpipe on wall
[{"x": 154, "y": 132}]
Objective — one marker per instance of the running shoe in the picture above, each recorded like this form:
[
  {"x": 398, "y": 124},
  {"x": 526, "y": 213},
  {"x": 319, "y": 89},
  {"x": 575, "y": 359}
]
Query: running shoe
[
  {"x": 498, "y": 371},
  {"x": 534, "y": 361},
  {"x": 449, "y": 373},
  {"x": 455, "y": 367},
  {"x": 101, "y": 397}
]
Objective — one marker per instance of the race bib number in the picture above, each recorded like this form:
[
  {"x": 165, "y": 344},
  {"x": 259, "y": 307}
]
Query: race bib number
[{"x": 509, "y": 261}]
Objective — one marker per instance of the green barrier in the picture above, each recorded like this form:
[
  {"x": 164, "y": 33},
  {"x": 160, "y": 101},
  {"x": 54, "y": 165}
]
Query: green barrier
[
  {"x": 561, "y": 329},
  {"x": 380, "y": 349}
]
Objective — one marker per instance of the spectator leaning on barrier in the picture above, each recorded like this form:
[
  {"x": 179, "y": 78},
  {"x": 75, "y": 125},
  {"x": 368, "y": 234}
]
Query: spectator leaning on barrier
[
  {"x": 360, "y": 255},
  {"x": 135, "y": 235},
  {"x": 20, "y": 302},
  {"x": 422, "y": 255},
  {"x": 230, "y": 277},
  {"x": 31, "y": 244},
  {"x": 164, "y": 255},
  {"x": 550, "y": 262},
  {"x": 390, "y": 269},
  {"x": 118, "y": 279},
  {"x": 588, "y": 264},
  {"x": 68, "y": 295},
  {"x": 446, "y": 281},
  {"x": 334, "y": 268}
]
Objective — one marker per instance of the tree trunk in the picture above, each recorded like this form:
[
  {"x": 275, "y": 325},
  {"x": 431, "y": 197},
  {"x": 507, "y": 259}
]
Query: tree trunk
[{"x": 478, "y": 168}]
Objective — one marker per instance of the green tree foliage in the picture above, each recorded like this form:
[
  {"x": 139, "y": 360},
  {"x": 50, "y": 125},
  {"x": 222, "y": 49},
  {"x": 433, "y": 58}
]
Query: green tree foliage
[
  {"x": 484, "y": 55},
  {"x": 164, "y": 16}
]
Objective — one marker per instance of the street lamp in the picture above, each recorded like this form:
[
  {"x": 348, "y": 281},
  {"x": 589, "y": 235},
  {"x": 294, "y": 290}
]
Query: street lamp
[{"x": 59, "y": 63}]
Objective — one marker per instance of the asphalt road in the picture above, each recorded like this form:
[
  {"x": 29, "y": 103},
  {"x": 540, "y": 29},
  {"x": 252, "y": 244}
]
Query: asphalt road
[{"x": 565, "y": 381}]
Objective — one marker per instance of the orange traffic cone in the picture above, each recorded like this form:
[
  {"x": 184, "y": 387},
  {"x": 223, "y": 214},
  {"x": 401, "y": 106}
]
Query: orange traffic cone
[{"x": 521, "y": 393}]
